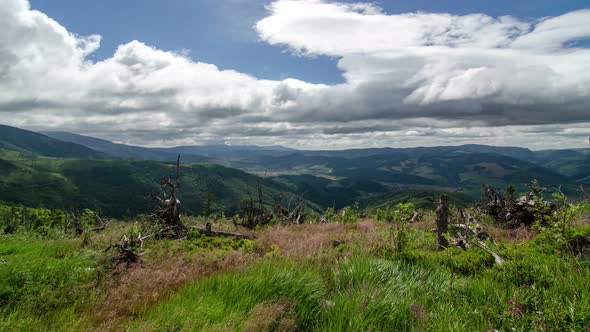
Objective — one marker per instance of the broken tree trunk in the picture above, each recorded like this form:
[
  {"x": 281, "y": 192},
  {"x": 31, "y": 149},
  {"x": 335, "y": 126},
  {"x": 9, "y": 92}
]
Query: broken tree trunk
[{"x": 442, "y": 221}]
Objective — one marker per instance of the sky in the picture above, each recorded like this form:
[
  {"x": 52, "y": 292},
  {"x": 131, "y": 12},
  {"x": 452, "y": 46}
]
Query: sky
[{"x": 308, "y": 74}]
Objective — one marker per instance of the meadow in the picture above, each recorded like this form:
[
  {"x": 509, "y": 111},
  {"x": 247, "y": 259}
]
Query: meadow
[{"x": 359, "y": 273}]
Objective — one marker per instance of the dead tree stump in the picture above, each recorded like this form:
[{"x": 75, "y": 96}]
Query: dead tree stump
[{"x": 442, "y": 221}]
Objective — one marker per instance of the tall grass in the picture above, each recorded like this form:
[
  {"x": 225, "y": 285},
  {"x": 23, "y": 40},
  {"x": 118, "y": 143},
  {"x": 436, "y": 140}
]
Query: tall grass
[
  {"x": 224, "y": 301},
  {"x": 361, "y": 293},
  {"x": 43, "y": 282}
]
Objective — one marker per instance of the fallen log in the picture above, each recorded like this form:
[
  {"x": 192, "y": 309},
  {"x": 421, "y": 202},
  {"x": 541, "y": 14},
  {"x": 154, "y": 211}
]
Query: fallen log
[
  {"x": 209, "y": 232},
  {"x": 467, "y": 234}
]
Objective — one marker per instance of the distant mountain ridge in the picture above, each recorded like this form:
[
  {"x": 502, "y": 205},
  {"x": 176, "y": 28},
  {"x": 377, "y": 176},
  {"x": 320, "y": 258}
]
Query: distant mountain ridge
[
  {"x": 221, "y": 152},
  {"x": 16, "y": 139},
  {"x": 195, "y": 153},
  {"x": 121, "y": 150}
]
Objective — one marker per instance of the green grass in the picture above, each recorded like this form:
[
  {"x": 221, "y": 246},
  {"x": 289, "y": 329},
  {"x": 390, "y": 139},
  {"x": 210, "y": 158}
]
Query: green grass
[
  {"x": 225, "y": 300},
  {"x": 363, "y": 293},
  {"x": 363, "y": 284},
  {"x": 42, "y": 283}
]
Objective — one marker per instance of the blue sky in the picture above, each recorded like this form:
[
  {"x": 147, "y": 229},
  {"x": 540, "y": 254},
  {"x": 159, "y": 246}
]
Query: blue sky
[{"x": 221, "y": 31}]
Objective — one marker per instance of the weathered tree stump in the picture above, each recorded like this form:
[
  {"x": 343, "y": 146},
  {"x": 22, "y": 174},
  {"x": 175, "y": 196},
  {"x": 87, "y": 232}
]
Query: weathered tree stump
[{"x": 442, "y": 221}]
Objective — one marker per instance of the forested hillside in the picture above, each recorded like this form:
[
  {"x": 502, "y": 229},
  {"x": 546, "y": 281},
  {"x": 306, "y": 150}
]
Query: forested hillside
[
  {"x": 119, "y": 187},
  {"x": 372, "y": 177}
]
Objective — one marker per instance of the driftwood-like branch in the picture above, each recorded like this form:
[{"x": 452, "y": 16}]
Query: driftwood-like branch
[
  {"x": 100, "y": 224},
  {"x": 469, "y": 232},
  {"x": 416, "y": 217}
]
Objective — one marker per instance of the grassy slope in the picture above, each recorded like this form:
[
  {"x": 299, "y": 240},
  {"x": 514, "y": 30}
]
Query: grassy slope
[
  {"x": 359, "y": 286},
  {"x": 43, "y": 282},
  {"x": 293, "y": 278}
]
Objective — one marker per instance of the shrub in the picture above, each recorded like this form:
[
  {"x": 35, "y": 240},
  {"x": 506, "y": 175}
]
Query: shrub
[{"x": 401, "y": 213}]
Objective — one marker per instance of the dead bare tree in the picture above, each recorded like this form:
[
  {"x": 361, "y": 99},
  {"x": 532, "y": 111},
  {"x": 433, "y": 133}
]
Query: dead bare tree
[
  {"x": 166, "y": 217},
  {"x": 74, "y": 223},
  {"x": 78, "y": 224}
]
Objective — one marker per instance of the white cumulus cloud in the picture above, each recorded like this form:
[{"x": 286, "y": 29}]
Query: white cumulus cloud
[{"x": 415, "y": 78}]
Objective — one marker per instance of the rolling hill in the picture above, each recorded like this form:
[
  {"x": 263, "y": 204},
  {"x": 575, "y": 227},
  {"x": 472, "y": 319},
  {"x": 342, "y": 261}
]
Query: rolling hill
[{"x": 16, "y": 139}]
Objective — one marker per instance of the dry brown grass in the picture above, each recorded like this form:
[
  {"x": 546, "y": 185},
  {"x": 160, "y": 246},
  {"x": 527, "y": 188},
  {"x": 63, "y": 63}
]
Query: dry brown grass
[
  {"x": 516, "y": 235},
  {"x": 133, "y": 287},
  {"x": 314, "y": 239},
  {"x": 582, "y": 221},
  {"x": 426, "y": 225}
]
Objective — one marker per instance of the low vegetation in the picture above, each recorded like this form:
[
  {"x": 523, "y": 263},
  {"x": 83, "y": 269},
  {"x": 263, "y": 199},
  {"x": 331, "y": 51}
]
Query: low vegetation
[{"x": 351, "y": 270}]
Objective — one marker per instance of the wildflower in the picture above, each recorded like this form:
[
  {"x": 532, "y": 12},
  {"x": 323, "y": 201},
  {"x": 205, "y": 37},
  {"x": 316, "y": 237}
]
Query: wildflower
[
  {"x": 366, "y": 303},
  {"x": 418, "y": 311}
]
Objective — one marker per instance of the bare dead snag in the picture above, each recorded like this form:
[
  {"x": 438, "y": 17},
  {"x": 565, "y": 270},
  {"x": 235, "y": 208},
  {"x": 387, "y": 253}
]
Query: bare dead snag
[
  {"x": 442, "y": 221},
  {"x": 75, "y": 223},
  {"x": 167, "y": 212}
]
